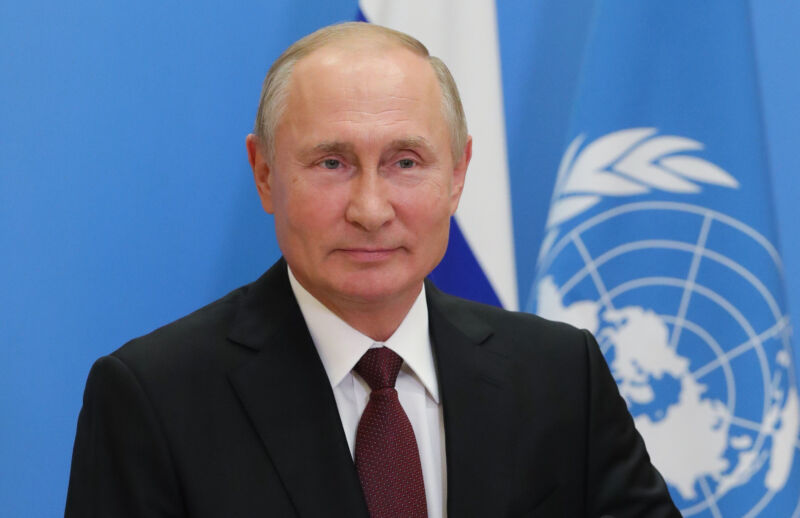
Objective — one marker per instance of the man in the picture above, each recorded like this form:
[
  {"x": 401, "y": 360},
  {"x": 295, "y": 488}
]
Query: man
[{"x": 340, "y": 383}]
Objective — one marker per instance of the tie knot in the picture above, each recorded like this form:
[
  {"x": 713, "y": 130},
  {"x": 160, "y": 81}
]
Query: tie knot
[{"x": 379, "y": 367}]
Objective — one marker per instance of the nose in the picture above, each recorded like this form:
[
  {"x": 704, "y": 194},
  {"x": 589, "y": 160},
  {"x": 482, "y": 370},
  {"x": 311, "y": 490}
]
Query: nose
[{"x": 369, "y": 206}]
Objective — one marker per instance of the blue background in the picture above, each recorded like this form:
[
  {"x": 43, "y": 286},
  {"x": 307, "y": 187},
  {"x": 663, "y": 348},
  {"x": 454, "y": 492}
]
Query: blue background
[{"x": 126, "y": 200}]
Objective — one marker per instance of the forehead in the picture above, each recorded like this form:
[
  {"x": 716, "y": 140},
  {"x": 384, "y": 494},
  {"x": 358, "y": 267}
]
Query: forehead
[{"x": 364, "y": 82}]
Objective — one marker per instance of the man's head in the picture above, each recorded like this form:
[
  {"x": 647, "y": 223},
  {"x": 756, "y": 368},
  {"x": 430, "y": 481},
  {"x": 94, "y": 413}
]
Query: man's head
[
  {"x": 355, "y": 157},
  {"x": 273, "y": 92}
]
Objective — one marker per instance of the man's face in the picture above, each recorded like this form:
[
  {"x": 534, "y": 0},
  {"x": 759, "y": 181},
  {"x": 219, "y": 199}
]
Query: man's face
[{"x": 363, "y": 182}]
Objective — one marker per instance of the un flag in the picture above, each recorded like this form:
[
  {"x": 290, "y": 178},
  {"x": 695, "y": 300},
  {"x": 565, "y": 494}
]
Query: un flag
[{"x": 660, "y": 240}]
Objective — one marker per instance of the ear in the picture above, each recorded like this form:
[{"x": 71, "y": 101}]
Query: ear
[
  {"x": 459, "y": 174},
  {"x": 261, "y": 171}
]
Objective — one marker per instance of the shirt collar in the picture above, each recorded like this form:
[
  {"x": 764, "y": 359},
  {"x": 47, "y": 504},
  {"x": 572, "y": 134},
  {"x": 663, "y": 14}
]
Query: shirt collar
[{"x": 340, "y": 346}]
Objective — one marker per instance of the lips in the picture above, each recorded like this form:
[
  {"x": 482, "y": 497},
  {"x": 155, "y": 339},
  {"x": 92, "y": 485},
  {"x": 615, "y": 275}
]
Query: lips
[{"x": 368, "y": 254}]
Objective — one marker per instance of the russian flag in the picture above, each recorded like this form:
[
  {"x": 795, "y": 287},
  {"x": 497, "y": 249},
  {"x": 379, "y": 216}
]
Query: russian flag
[{"x": 479, "y": 263}]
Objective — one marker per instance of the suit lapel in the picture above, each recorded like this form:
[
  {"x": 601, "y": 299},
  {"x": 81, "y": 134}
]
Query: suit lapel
[
  {"x": 476, "y": 403},
  {"x": 286, "y": 394}
]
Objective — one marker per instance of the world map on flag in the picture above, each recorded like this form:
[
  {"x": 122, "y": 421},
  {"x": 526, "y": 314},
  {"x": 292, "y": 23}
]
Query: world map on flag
[{"x": 697, "y": 343}]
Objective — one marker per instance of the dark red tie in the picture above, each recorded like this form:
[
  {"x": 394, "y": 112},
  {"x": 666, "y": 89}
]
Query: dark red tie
[{"x": 387, "y": 458}]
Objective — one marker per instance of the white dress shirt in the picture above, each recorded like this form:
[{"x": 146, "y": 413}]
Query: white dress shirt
[{"x": 340, "y": 347}]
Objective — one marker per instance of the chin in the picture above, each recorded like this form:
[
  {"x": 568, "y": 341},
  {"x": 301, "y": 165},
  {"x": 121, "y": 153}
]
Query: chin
[{"x": 373, "y": 290}]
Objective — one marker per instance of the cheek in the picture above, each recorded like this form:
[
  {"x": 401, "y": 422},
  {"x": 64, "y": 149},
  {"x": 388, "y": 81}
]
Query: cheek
[
  {"x": 310, "y": 210},
  {"x": 430, "y": 199},
  {"x": 426, "y": 213}
]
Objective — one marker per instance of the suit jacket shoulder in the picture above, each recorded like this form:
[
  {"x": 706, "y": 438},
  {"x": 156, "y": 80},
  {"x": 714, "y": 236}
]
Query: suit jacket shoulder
[
  {"x": 222, "y": 413},
  {"x": 182, "y": 345},
  {"x": 572, "y": 449}
]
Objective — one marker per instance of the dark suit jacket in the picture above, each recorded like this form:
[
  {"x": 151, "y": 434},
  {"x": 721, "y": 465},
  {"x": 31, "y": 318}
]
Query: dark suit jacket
[{"x": 228, "y": 413}]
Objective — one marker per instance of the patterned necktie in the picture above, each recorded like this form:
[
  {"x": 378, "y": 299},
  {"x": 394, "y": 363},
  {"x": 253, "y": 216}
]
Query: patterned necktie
[{"x": 387, "y": 458}]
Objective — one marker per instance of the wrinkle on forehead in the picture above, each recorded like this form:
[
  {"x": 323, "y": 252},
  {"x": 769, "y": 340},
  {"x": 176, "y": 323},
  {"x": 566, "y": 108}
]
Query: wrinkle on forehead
[
  {"x": 378, "y": 95},
  {"x": 352, "y": 115},
  {"x": 364, "y": 120}
]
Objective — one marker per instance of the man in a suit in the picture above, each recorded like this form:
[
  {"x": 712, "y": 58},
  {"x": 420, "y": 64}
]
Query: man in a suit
[{"x": 341, "y": 383}]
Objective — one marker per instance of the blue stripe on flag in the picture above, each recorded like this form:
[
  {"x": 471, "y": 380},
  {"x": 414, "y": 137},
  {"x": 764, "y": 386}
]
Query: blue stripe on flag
[{"x": 459, "y": 272}]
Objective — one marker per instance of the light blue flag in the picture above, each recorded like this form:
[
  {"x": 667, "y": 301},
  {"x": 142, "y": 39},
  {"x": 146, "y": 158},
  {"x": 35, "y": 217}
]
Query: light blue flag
[{"x": 661, "y": 241}]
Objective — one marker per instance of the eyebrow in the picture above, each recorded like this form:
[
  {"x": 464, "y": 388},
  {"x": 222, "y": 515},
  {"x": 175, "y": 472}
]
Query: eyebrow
[
  {"x": 411, "y": 143},
  {"x": 330, "y": 147},
  {"x": 414, "y": 142}
]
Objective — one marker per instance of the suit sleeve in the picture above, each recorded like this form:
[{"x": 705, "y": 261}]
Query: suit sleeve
[
  {"x": 621, "y": 481},
  {"x": 121, "y": 463}
]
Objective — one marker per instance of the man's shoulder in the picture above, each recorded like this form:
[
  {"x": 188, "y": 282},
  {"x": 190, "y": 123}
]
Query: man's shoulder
[
  {"x": 518, "y": 332},
  {"x": 461, "y": 311},
  {"x": 208, "y": 323},
  {"x": 196, "y": 342},
  {"x": 215, "y": 335}
]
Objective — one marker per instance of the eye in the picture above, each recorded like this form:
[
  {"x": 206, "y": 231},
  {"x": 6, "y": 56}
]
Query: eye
[
  {"x": 331, "y": 163},
  {"x": 406, "y": 163}
]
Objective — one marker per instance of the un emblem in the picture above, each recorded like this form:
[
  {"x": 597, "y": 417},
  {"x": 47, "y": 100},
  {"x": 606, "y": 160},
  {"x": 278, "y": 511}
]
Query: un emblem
[{"x": 685, "y": 302}]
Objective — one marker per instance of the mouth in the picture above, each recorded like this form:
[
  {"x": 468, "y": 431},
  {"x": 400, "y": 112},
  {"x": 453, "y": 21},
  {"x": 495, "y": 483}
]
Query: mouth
[{"x": 368, "y": 255}]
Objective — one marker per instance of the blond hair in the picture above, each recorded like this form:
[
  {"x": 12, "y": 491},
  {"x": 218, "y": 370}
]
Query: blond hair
[{"x": 274, "y": 91}]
